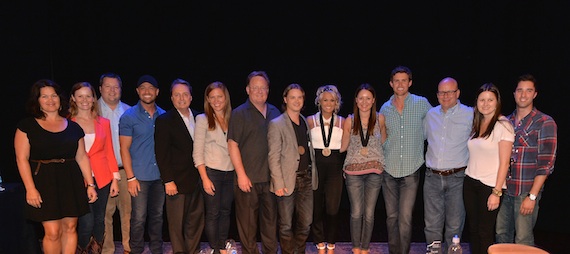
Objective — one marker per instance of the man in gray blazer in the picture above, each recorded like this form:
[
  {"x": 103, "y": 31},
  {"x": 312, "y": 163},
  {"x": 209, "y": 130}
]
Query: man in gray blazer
[{"x": 293, "y": 172}]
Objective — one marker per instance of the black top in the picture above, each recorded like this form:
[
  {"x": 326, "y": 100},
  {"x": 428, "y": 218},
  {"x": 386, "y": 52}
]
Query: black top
[{"x": 248, "y": 128}]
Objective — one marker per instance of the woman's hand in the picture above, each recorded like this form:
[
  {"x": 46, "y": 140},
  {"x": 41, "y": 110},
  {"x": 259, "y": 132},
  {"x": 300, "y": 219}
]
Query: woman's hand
[
  {"x": 91, "y": 194},
  {"x": 209, "y": 187},
  {"x": 34, "y": 198},
  {"x": 493, "y": 202}
]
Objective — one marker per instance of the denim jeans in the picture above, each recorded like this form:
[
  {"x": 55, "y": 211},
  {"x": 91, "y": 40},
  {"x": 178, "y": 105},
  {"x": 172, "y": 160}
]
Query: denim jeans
[
  {"x": 299, "y": 204},
  {"x": 513, "y": 226},
  {"x": 219, "y": 207},
  {"x": 400, "y": 197},
  {"x": 147, "y": 205},
  {"x": 443, "y": 206},
  {"x": 93, "y": 223},
  {"x": 363, "y": 191}
]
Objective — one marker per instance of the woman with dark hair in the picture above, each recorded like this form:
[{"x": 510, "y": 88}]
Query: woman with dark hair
[
  {"x": 363, "y": 135},
  {"x": 326, "y": 136},
  {"x": 490, "y": 146},
  {"x": 54, "y": 167},
  {"x": 84, "y": 110},
  {"x": 212, "y": 159}
]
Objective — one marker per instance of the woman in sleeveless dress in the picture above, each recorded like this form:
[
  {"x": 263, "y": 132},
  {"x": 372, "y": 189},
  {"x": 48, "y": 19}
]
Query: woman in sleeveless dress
[{"x": 54, "y": 167}]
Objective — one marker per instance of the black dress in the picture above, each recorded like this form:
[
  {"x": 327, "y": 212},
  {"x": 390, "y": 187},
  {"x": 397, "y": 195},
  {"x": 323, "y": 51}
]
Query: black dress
[{"x": 61, "y": 185}]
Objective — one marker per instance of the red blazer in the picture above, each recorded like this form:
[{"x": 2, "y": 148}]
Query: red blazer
[{"x": 101, "y": 155}]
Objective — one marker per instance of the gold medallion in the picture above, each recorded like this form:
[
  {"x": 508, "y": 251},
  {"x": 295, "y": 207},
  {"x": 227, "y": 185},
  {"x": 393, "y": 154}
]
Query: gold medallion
[
  {"x": 301, "y": 150},
  {"x": 364, "y": 151},
  {"x": 326, "y": 152}
]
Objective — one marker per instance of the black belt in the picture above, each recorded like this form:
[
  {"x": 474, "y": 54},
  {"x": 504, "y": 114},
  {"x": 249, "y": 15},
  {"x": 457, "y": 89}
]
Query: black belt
[
  {"x": 447, "y": 172},
  {"x": 121, "y": 168}
]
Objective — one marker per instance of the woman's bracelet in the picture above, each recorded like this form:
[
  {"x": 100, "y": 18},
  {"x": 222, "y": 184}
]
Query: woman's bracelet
[{"x": 91, "y": 185}]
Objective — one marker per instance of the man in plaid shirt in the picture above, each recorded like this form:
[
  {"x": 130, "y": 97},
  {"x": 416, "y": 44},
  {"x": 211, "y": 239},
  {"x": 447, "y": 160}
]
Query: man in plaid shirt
[{"x": 532, "y": 160}]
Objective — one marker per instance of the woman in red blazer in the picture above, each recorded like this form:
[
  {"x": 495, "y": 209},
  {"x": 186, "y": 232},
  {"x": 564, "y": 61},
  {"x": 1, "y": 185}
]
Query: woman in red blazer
[{"x": 84, "y": 111}]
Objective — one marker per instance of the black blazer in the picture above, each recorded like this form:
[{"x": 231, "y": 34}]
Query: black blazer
[{"x": 173, "y": 147}]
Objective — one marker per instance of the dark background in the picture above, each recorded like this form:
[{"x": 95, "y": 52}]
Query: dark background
[{"x": 310, "y": 43}]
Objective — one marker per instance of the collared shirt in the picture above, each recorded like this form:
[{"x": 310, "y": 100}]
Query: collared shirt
[
  {"x": 447, "y": 134},
  {"x": 189, "y": 121},
  {"x": 534, "y": 150},
  {"x": 404, "y": 147},
  {"x": 114, "y": 116},
  {"x": 137, "y": 123},
  {"x": 249, "y": 128}
]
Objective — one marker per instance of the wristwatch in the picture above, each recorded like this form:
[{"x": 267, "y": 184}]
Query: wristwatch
[
  {"x": 497, "y": 193},
  {"x": 532, "y": 197}
]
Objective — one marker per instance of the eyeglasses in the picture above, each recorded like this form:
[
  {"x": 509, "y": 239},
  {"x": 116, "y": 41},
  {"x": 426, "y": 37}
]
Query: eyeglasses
[{"x": 442, "y": 93}]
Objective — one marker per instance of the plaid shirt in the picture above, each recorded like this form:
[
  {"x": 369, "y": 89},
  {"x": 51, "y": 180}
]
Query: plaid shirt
[
  {"x": 404, "y": 147},
  {"x": 534, "y": 151}
]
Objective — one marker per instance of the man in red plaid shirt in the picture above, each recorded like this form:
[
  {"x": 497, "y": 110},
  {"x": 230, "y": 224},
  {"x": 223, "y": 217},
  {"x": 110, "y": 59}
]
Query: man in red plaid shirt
[{"x": 532, "y": 160}]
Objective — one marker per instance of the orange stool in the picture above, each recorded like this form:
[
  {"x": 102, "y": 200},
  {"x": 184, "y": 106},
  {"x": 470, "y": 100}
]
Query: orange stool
[{"x": 512, "y": 248}]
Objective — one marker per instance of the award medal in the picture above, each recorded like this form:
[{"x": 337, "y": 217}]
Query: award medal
[
  {"x": 326, "y": 140},
  {"x": 301, "y": 150},
  {"x": 364, "y": 141}
]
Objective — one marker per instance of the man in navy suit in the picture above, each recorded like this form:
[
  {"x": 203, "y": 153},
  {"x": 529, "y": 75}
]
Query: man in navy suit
[{"x": 173, "y": 140}]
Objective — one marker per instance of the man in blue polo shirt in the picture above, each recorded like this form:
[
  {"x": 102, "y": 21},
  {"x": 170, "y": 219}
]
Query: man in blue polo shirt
[{"x": 136, "y": 136}]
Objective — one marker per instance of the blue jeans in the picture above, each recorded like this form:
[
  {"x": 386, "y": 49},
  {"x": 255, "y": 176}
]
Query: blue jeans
[
  {"x": 149, "y": 205},
  {"x": 219, "y": 207},
  {"x": 400, "y": 197},
  {"x": 299, "y": 205},
  {"x": 443, "y": 206},
  {"x": 513, "y": 226},
  {"x": 363, "y": 191},
  {"x": 93, "y": 223}
]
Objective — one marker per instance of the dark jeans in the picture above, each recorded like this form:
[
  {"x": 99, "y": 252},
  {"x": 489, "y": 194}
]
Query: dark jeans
[
  {"x": 400, "y": 197},
  {"x": 93, "y": 223},
  {"x": 147, "y": 206},
  {"x": 326, "y": 199},
  {"x": 254, "y": 209},
  {"x": 481, "y": 221},
  {"x": 219, "y": 207},
  {"x": 297, "y": 207}
]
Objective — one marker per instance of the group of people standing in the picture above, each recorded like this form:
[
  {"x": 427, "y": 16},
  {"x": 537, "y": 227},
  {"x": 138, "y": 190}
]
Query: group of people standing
[{"x": 283, "y": 171}]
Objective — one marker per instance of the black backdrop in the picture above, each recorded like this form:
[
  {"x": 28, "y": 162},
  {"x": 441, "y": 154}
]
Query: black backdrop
[{"x": 310, "y": 43}]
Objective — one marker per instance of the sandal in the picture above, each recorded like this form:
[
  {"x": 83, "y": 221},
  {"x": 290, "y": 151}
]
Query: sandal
[
  {"x": 330, "y": 248},
  {"x": 320, "y": 248}
]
